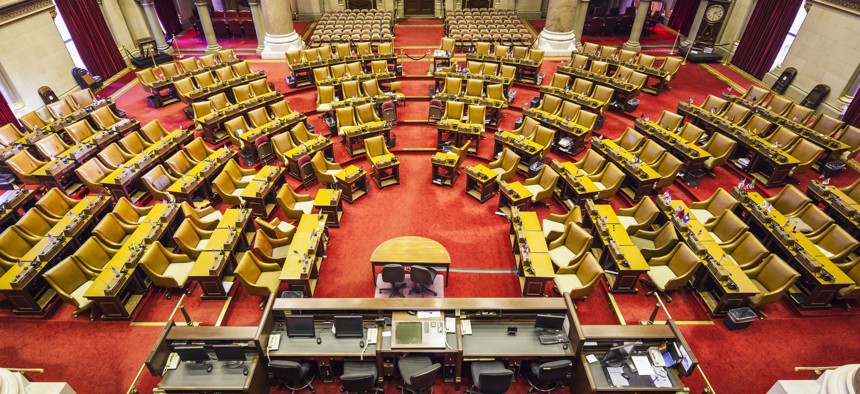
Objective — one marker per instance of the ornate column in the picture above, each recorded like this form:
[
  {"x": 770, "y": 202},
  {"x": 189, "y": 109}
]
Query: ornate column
[
  {"x": 117, "y": 25},
  {"x": 9, "y": 92},
  {"x": 281, "y": 36},
  {"x": 257, "y": 16},
  {"x": 206, "y": 24},
  {"x": 557, "y": 37},
  {"x": 642, "y": 13},
  {"x": 154, "y": 25},
  {"x": 736, "y": 22},
  {"x": 697, "y": 21},
  {"x": 579, "y": 24}
]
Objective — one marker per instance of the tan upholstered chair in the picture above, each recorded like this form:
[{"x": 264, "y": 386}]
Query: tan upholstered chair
[
  {"x": 258, "y": 278},
  {"x": 104, "y": 118},
  {"x": 345, "y": 117},
  {"x": 747, "y": 251},
  {"x": 505, "y": 166},
  {"x": 672, "y": 271},
  {"x": 580, "y": 277},
  {"x": 179, "y": 164},
  {"x": 591, "y": 163},
  {"x": 113, "y": 232},
  {"x": 650, "y": 153},
  {"x": 638, "y": 217},
  {"x": 375, "y": 149},
  {"x": 542, "y": 185},
  {"x": 553, "y": 225},
  {"x": 325, "y": 170},
  {"x": 133, "y": 143},
  {"x": 31, "y": 121},
  {"x": 835, "y": 243},
  {"x": 51, "y": 146},
  {"x": 165, "y": 268},
  {"x": 71, "y": 281},
  {"x": 293, "y": 204},
  {"x": 718, "y": 202},
  {"x": 80, "y": 130},
  {"x": 573, "y": 242},
  {"x": 720, "y": 147},
  {"x": 191, "y": 239},
  {"x": 608, "y": 181},
  {"x": 9, "y": 133},
  {"x": 23, "y": 165},
  {"x": 543, "y": 136},
  {"x": 630, "y": 140},
  {"x": 789, "y": 201},
  {"x": 228, "y": 188},
  {"x": 726, "y": 228},
  {"x": 56, "y": 204},
  {"x": 528, "y": 127},
  {"x": 826, "y": 124},
  {"x": 281, "y": 144},
  {"x": 325, "y": 96},
  {"x": 94, "y": 255},
  {"x": 852, "y": 191},
  {"x": 807, "y": 153},
  {"x": 206, "y": 217},
  {"x": 271, "y": 250},
  {"x": 657, "y": 242},
  {"x": 112, "y": 156},
  {"x": 35, "y": 223},
  {"x": 773, "y": 278},
  {"x": 157, "y": 181},
  {"x": 91, "y": 173},
  {"x": 668, "y": 167},
  {"x": 852, "y": 269},
  {"x": 60, "y": 109},
  {"x": 14, "y": 244},
  {"x": 83, "y": 98},
  {"x": 241, "y": 176},
  {"x": 153, "y": 131},
  {"x": 784, "y": 137},
  {"x": 810, "y": 220}
]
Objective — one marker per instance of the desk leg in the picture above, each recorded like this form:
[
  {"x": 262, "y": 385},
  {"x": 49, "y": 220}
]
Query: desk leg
[
  {"x": 373, "y": 270},
  {"x": 447, "y": 274}
]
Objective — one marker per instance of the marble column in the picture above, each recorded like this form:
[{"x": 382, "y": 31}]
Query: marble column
[
  {"x": 154, "y": 25},
  {"x": 281, "y": 36},
  {"x": 117, "y": 25},
  {"x": 206, "y": 24},
  {"x": 697, "y": 21},
  {"x": 642, "y": 13},
  {"x": 7, "y": 89},
  {"x": 736, "y": 22},
  {"x": 557, "y": 37},
  {"x": 579, "y": 24},
  {"x": 257, "y": 16}
]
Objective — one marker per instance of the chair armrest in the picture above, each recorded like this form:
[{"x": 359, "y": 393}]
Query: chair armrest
[{"x": 267, "y": 267}]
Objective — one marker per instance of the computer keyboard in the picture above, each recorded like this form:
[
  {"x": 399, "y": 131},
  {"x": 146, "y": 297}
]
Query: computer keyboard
[
  {"x": 372, "y": 332},
  {"x": 274, "y": 342},
  {"x": 551, "y": 339}
]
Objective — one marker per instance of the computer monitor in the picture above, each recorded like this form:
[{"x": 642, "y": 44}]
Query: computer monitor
[
  {"x": 409, "y": 333},
  {"x": 549, "y": 322},
  {"x": 229, "y": 352},
  {"x": 300, "y": 326},
  {"x": 348, "y": 327},
  {"x": 195, "y": 354},
  {"x": 618, "y": 354}
]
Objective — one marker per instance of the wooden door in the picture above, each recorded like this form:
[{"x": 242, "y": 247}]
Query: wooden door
[
  {"x": 477, "y": 4},
  {"x": 361, "y": 4},
  {"x": 419, "y": 7}
]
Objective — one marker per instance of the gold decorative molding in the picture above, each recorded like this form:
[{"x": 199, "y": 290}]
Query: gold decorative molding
[
  {"x": 24, "y": 9},
  {"x": 850, "y": 6}
]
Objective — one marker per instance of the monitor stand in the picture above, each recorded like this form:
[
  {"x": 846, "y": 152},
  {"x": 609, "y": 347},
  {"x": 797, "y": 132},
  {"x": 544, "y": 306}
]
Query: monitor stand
[{"x": 200, "y": 365}]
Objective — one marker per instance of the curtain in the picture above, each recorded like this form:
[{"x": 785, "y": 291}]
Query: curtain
[
  {"x": 92, "y": 37},
  {"x": 852, "y": 114},
  {"x": 6, "y": 114},
  {"x": 764, "y": 35},
  {"x": 682, "y": 15},
  {"x": 167, "y": 15}
]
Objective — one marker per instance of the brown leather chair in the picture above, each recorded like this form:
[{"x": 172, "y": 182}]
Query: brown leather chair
[
  {"x": 691, "y": 133},
  {"x": 133, "y": 143},
  {"x": 716, "y": 204},
  {"x": 773, "y": 278},
  {"x": 735, "y": 114},
  {"x": 553, "y": 225},
  {"x": 656, "y": 242},
  {"x": 293, "y": 204},
  {"x": 301, "y": 134},
  {"x": 852, "y": 191},
  {"x": 51, "y": 146},
  {"x": 835, "y": 243},
  {"x": 810, "y": 220},
  {"x": 572, "y": 243},
  {"x": 542, "y": 185},
  {"x": 258, "y": 278},
  {"x": 506, "y": 165},
  {"x": 80, "y": 130},
  {"x": 543, "y": 136},
  {"x": 23, "y": 165},
  {"x": 852, "y": 269},
  {"x": 799, "y": 113},
  {"x": 714, "y": 104},
  {"x": 113, "y": 232},
  {"x": 608, "y": 181},
  {"x": 228, "y": 189},
  {"x": 271, "y": 250},
  {"x": 9, "y": 133},
  {"x": 591, "y": 163},
  {"x": 789, "y": 201},
  {"x": 375, "y": 149},
  {"x": 189, "y": 64},
  {"x": 668, "y": 167},
  {"x": 325, "y": 170},
  {"x": 157, "y": 181},
  {"x": 826, "y": 124},
  {"x": 197, "y": 150},
  {"x": 746, "y": 251},
  {"x": 206, "y": 217},
  {"x": 726, "y": 228},
  {"x": 275, "y": 228},
  {"x": 720, "y": 147},
  {"x": 579, "y": 278},
  {"x": 104, "y": 118},
  {"x": 55, "y": 204},
  {"x": 14, "y": 244},
  {"x": 91, "y": 173},
  {"x": 83, "y": 98},
  {"x": 165, "y": 268},
  {"x": 112, "y": 156},
  {"x": 638, "y": 217},
  {"x": 756, "y": 95},
  {"x": 784, "y": 137},
  {"x": 35, "y": 223},
  {"x": 650, "y": 153},
  {"x": 630, "y": 140},
  {"x": 191, "y": 239},
  {"x": 807, "y": 153},
  {"x": 670, "y": 121},
  {"x": 672, "y": 271},
  {"x": 179, "y": 164},
  {"x": 153, "y": 131},
  {"x": 71, "y": 281},
  {"x": 281, "y": 144},
  {"x": 94, "y": 255},
  {"x": 60, "y": 109}
]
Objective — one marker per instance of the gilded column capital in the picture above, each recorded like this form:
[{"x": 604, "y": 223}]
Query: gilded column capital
[
  {"x": 146, "y": 2},
  {"x": 199, "y": 3}
]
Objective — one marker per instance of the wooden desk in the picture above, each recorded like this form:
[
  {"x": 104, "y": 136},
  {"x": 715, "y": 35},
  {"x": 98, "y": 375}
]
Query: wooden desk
[
  {"x": 659, "y": 74},
  {"x": 274, "y": 127},
  {"x": 300, "y": 271},
  {"x": 307, "y": 148},
  {"x": 337, "y": 82},
  {"x": 230, "y": 237},
  {"x": 119, "y": 288},
  {"x": 565, "y": 128},
  {"x": 640, "y": 179},
  {"x": 260, "y": 192},
  {"x": 619, "y": 253},
  {"x": 353, "y": 182},
  {"x": 531, "y": 253},
  {"x": 481, "y": 182},
  {"x": 514, "y": 195},
  {"x": 14, "y": 204},
  {"x": 386, "y": 170},
  {"x": 443, "y": 169},
  {"x": 528, "y": 150},
  {"x": 198, "y": 178},
  {"x": 23, "y": 284},
  {"x": 587, "y": 103},
  {"x": 623, "y": 90},
  {"x": 411, "y": 251},
  {"x": 212, "y": 123},
  {"x": 328, "y": 202},
  {"x": 457, "y": 133},
  {"x": 72, "y": 118},
  {"x": 575, "y": 186},
  {"x": 355, "y": 136},
  {"x": 692, "y": 155},
  {"x": 839, "y": 206}
]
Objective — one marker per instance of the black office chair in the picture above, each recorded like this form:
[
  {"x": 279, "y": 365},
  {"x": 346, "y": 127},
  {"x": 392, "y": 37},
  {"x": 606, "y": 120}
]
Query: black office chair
[
  {"x": 548, "y": 375},
  {"x": 292, "y": 375},
  {"x": 395, "y": 275},
  {"x": 359, "y": 378},
  {"x": 490, "y": 377},
  {"x": 421, "y": 278},
  {"x": 418, "y": 373}
]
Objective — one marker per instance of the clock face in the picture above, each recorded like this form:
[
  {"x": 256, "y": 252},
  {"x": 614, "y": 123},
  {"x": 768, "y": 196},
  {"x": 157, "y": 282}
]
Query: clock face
[{"x": 715, "y": 13}]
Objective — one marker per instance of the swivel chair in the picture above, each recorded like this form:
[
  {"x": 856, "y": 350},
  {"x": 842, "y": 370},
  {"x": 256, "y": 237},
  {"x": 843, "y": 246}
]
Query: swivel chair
[
  {"x": 292, "y": 375},
  {"x": 548, "y": 375},
  {"x": 490, "y": 377},
  {"x": 422, "y": 277},
  {"x": 395, "y": 275},
  {"x": 359, "y": 378},
  {"x": 418, "y": 374}
]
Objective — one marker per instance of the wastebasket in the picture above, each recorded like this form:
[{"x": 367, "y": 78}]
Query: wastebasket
[
  {"x": 832, "y": 169},
  {"x": 631, "y": 105},
  {"x": 739, "y": 318}
]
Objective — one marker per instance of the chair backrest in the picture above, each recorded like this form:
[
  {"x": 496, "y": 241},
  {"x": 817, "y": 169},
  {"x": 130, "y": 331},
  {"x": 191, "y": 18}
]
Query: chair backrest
[
  {"x": 554, "y": 371},
  {"x": 393, "y": 273},
  {"x": 494, "y": 382},
  {"x": 424, "y": 379},
  {"x": 287, "y": 371},
  {"x": 422, "y": 275},
  {"x": 359, "y": 383}
]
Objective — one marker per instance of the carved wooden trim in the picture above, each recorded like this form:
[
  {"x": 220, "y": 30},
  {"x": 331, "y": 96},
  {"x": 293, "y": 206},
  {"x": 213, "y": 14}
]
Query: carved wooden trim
[
  {"x": 850, "y": 6},
  {"x": 24, "y": 9}
]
